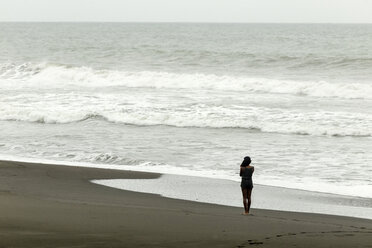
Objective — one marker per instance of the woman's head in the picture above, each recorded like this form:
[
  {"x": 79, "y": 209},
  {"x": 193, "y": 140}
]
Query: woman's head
[{"x": 246, "y": 161}]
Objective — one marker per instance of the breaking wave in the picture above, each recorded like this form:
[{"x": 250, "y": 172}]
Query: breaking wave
[
  {"x": 271, "y": 120},
  {"x": 61, "y": 76}
]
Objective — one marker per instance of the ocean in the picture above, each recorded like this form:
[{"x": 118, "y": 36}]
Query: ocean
[{"x": 193, "y": 99}]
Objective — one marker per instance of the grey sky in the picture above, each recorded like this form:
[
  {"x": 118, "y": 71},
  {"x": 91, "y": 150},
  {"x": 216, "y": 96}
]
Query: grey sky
[{"x": 333, "y": 11}]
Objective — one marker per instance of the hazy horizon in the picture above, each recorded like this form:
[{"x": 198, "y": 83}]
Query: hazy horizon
[
  {"x": 191, "y": 11},
  {"x": 190, "y": 22}
]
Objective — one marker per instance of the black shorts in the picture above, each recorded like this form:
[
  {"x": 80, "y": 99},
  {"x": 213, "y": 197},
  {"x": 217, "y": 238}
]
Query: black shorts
[{"x": 246, "y": 184}]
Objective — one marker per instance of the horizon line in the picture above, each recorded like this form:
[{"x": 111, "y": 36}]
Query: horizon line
[{"x": 184, "y": 22}]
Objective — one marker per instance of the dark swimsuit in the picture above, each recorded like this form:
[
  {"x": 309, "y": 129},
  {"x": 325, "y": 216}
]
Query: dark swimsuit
[{"x": 247, "y": 182}]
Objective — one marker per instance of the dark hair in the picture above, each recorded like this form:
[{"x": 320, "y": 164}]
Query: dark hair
[{"x": 246, "y": 162}]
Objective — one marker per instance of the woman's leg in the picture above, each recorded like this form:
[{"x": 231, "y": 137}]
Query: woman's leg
[
  {"x": 249, "y": 193},
  {"x": 245, "y": 200}
]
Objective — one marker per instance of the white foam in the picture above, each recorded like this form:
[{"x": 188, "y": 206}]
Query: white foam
[
  {"x": 316, "y": 185},
  {"x": 127, "y": 109}
]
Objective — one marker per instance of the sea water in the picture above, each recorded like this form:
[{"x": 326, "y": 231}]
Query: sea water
[{"x": 193, "y": 99}]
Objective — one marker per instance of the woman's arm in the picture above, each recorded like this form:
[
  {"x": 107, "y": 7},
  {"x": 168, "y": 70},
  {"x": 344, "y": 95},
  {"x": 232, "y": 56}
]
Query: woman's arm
[{"x": 241, "y": 171}]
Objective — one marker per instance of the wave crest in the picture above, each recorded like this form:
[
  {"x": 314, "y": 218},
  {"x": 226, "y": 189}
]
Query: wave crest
[
  {"x": 61, "y": 76},
  {"x": 271, "y": 120}
]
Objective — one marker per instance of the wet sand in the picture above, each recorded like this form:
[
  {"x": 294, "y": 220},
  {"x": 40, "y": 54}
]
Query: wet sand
[{"x": 57, "y": 206}]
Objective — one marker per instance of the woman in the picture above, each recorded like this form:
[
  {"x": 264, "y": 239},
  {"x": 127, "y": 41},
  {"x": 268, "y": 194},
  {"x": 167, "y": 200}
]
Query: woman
[{"x": 246, "y": 172}]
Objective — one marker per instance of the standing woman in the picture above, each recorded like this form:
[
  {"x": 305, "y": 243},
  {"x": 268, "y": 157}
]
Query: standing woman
[{"x": 246, "y": 172}]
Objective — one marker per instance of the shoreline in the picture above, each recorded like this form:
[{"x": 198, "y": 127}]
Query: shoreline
[
  {"x": 58, "y": 206},
  {"x": 264, "y": 196},
  {"x": 7, "y": 158},
  {"x": 199, "y": 189}
]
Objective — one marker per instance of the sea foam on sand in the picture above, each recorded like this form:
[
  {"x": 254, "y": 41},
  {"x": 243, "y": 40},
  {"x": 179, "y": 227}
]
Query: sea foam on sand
[{"x": 227, "y": 192}]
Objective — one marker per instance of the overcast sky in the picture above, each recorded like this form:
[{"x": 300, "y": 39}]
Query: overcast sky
[{"x": 329, "y": 11}]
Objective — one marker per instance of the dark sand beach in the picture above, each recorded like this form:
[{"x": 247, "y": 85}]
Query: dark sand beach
[{"x": 57, "y": 206}]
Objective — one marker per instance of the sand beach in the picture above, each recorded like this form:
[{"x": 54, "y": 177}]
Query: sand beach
[{"x": 58, "y": 206}]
